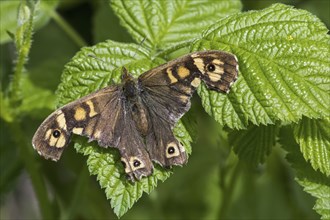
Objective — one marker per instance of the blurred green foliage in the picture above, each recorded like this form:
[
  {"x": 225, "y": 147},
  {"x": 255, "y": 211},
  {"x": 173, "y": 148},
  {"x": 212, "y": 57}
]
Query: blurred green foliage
[{"x": 216, "y": 183}]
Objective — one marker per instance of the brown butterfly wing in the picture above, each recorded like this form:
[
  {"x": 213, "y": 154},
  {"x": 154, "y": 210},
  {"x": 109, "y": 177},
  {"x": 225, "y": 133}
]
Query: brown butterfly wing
[
  {"x": 102, "y": 116},
  {"x": 166, "y": 94},
  {"x": 80, "y": 117}
]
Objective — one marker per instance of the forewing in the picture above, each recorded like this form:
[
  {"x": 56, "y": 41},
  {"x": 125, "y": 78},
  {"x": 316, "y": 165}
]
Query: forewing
[
  {"x": 218, "y": 69},
  {"x": 88, "y": 116},
  {"x": 166, "y": 93}
]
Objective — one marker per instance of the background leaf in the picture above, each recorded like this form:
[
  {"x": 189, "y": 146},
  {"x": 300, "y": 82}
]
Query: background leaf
[
  {"x": 254, "y": 144},
  {"x": 283, "y": 57},
  {"x": 167, "y": 23},
  {"x": 8, "y": 16},
  {"x": 313, "y": 137},
  {"x": 314, "y": 182}
]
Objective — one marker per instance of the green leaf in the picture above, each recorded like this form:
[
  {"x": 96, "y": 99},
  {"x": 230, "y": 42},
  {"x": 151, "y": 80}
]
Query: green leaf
[
  {"x": 91, "y": 69},
  {"x": 35, "y": 98},
  {"x": 283, "y": 55},
  {"x": 8, "y": 16},
  {"x": 254, "y": 144},
  {"x": 314, "y": 182},
  {"x": 313, "y": 137},
  {"x": 114, "y": 32},
  {"x": 167, "y": 23},
  {"x": 5, "y": 110}
]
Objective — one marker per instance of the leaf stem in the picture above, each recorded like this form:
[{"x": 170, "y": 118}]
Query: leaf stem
[
  {"x": 76, "y": 38},
  {"x": 81, "y": 183},
  {"x": 227, "y": 190},
  {"x": 23, "y": 39}
]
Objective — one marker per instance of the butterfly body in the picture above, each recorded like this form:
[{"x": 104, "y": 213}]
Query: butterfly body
[{"x": 138, "y": 115}]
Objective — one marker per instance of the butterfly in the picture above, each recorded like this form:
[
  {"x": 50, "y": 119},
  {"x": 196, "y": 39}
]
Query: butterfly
[{"x": 138, "y": 115}]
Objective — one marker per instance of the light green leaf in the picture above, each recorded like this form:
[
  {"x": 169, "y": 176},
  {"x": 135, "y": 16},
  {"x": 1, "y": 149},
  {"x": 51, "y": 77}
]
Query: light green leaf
[
  {"x": 283, "y": 55},
  {"x": 91, "y": 69},
  {"x": 35, "y": 98},
  {"x": 167, "y": 23},
  {"x": 254, "y": 144},
  {"x": 5, "y": 111},
  {"x": 313, "y": 137},
  {"x": 314, "y": 182},
  {"x": 8, "y": 19},
  {"x": 8, "y": 16}
]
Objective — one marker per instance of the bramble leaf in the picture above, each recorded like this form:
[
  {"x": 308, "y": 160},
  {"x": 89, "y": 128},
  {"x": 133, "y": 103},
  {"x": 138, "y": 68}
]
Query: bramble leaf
[
  {"x": 254, "y": 144},
  {"x": 314, "y": 182},
  {"x": 167, "y": 23},
  {"x": 283, "y": 55},
  {"x": 313, "y": 137}
]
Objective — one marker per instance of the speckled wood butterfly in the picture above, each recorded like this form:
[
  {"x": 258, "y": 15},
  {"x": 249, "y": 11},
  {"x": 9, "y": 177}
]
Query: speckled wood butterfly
[{"x": 138, "y": 115}]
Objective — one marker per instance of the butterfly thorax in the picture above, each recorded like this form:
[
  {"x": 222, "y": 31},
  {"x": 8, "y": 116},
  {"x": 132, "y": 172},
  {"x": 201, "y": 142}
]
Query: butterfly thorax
[{"x": 135, "y": 106}]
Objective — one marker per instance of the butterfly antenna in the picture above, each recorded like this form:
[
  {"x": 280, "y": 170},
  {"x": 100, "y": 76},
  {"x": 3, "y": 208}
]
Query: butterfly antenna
[
  {"x": 95, "y": 57},
  {"x": 140, "y": 44}
]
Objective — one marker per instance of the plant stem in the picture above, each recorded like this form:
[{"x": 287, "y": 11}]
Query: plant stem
[
  {"x": 228, "y": 191},
  {"x": 23, "y": 44},
  {"x": 79, "y": 41},
  {"x": 74, "y": 204}
]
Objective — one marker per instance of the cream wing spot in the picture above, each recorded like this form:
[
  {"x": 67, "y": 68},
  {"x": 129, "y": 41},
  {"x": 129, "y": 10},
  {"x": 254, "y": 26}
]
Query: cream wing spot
[
  {"x": 52, "y": 141},
  {"x": 196, "y": 82},
  {"x": 218, "y": 62},
  {"x": 214, "y": 77},
  {"x": 170, "y": 76},
  {"x": 219, "y": 70},
  {"x": 48, "y": 133},
  {"x": 97, "y": 134},
  {"x": 61, "y": 120},
  {"x": 136, "y": 163},
  {"x": 126, "y": 165},
  {"x": 92, "y": 111},
  {"x": 61, "y": 141},
  {"x": 184, "y": 98},
  {"x": 77, "y": 130},
  {"x": 172, "y": 150},
  {"x": 200, "y": 64}
]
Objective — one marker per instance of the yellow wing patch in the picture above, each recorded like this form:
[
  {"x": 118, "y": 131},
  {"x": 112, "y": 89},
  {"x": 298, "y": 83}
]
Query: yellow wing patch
[
  {"x": 170, "y": 76},
  {"x": 92, "y": 111},
  {"x": 80, "y": 114},
  {"x": 183, "y": 72}
]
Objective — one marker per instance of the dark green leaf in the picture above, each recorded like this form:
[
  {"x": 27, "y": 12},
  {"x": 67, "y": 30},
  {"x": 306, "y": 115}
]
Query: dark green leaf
[
  {"x": 254, "y": 144},
  {"x": 313, "y": 136},
  {"x": 314, "y": 182}
]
